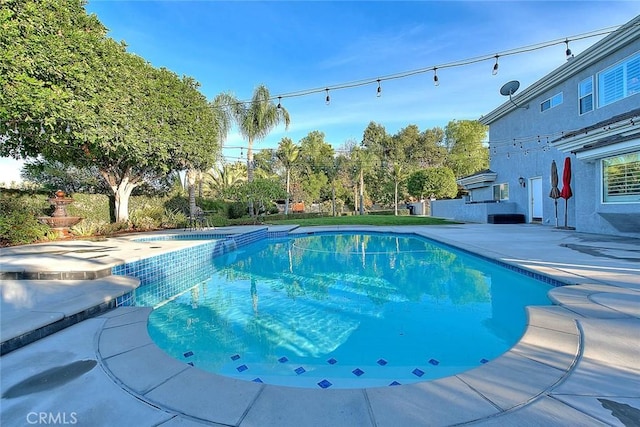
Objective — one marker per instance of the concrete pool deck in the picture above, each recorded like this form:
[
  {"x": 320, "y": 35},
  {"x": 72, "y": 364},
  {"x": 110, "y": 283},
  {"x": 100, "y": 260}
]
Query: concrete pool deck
[{"x": 577, "y": 364}]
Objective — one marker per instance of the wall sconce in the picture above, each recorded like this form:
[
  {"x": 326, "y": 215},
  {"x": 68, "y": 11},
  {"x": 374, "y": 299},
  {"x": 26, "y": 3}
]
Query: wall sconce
[{"x": 522, "y": 182}]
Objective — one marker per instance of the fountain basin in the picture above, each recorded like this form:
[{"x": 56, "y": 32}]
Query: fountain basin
[{"x": 60, "y": 224}]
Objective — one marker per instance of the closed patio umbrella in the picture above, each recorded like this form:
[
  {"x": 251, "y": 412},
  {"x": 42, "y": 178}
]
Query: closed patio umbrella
[
  {"x": 566, "y": 193},
  {"x": 555, "y": 191}
]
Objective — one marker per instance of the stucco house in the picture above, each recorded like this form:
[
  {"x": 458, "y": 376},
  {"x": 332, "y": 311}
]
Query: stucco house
[{"x": 587, "y": 110}]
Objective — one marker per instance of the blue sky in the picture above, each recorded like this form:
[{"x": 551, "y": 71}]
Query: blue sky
[{"x": 295, "y": 46}]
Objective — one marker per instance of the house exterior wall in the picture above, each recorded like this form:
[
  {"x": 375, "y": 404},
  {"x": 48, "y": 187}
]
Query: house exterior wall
[{"x": 522, "y": 145}]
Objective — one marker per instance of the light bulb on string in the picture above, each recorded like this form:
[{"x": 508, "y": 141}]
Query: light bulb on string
[
  {"x": 379, "y": 91},
  {"x": 436, "y": 82},
  {"x": 495, "y": 67},
  {"x": 327, "y": 100},
  {"x": 279, "y": 104}
]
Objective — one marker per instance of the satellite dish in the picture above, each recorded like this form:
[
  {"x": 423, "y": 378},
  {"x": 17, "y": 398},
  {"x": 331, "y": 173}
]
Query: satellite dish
[{"x": 509, "y": 89}]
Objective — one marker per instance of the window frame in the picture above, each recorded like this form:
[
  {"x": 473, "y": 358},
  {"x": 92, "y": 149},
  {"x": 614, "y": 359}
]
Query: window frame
[
  {"x": 591, "y": 94},
  {"x": 503, "y": 191},
  {"x": 618, "y": 199},
  {"x": 552, "y": 102},
  {"x": 623, "y": 67}
]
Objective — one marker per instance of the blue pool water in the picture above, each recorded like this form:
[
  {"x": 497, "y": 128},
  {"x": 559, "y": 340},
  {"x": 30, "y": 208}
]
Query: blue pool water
[{"x": 346, "y": 311}]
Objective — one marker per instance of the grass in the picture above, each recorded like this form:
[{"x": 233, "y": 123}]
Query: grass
[{"x": 363, "y": 220}]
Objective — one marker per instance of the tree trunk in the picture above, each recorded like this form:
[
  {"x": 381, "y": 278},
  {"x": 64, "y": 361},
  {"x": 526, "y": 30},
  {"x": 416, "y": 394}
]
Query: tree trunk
[
  {"x": 333, "y": 197},
  {"x": 396, "y": 199},
  {"x": 122, "y": 202},
  {"x": 286, "y": 202},
  {"x": 361, "y": 192},
  {"x": 191, "y": 184},
  {"x": 121, "y": 188},
  {"x": 355, "y": 198},
  {"x": 250, "y": 171}
]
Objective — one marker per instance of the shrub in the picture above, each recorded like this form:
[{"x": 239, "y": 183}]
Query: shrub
[
  {"x": 174, "y": 219},
  {"x": 91, "y": 207},
  {"x": 87, "y": 228},
  {"x": 217, "y": 221},
  {"x": 115, "y": 227},
  {"x": 19, "y": 224},
  {"x": 237, "y": 210}
]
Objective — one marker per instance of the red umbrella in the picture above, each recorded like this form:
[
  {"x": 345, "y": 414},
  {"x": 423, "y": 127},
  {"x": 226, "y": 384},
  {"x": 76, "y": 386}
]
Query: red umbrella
[
  {"x": 566, "y": 193},
  {"x": 555, "y": 192}
]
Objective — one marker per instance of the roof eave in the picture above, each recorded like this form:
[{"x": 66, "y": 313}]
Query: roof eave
[{"x": 614, "y": 41}]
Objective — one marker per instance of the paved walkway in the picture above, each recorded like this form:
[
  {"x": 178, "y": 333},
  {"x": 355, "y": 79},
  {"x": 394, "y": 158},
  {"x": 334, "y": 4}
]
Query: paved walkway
[{"x": 577, "y": 364}]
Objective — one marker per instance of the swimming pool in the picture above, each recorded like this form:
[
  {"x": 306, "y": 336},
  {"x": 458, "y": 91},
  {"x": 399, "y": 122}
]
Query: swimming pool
[{"x": 346, "y": 310}]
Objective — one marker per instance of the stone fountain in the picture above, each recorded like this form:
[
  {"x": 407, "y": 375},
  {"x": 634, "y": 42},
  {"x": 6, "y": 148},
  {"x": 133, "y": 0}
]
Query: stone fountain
[{"x": 59, "y": 220}]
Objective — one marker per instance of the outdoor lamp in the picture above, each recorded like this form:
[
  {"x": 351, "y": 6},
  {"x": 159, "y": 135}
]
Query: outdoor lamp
[{"x": 521, "y": 181}]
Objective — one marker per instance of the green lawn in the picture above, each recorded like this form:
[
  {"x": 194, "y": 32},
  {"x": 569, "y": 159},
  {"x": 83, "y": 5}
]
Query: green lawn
[{"x": 363, "y": 220}]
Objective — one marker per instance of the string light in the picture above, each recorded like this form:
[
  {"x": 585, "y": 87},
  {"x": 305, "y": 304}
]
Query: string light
[
  {"x": 568, "y": 51},
  {"x": 379, "y": 92},
  {"x": 436, "y": 82},
  {"x": 495, "y": 67},
  {"x": 327, "y": 100},
  {"x": 279, "y": 104}
]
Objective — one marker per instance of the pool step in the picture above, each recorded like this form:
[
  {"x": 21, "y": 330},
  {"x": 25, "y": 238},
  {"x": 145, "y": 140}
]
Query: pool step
[{"x": 34, "y": 309}]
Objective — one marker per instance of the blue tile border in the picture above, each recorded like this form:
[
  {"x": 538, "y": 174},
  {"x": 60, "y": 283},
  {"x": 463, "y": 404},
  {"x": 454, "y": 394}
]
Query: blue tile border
[{"x": 178, "y": 270}]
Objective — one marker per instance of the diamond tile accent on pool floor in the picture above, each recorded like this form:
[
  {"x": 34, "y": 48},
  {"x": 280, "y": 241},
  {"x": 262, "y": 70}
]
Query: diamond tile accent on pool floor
[
  {"x": 434, "y": 362},
  {"x": 418, "y": 372},
  {"x": 382, "y": 362},
  {"x": 257, "y": 380},
  {"x": 300, "y": 370},
  {"x": 394, "y": 383},
  {"x": 188, "y": 354},
  {"x": 283, "y": 359},
  {"x": 242, "y": 368},
  {"x": 324, "y": 384},
  {"x": 235, "y": 357},
  {"x": 357, "y": 372},
  {"x": 483, "y": 361},
  {"x": 332, "y": 361}
]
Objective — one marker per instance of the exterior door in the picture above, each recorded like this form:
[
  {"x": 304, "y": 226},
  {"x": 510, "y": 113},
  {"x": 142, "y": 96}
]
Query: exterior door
[{"x": 535, "y": 197}]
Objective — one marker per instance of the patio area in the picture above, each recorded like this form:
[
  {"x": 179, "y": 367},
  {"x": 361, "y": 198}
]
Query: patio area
[{"x": 577, "y": 364}]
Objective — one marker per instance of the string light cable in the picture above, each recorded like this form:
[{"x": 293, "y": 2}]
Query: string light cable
[{"x": 434, "y": 68}]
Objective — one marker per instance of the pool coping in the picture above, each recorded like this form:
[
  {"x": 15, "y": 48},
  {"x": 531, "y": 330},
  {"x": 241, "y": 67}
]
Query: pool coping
[
  {"x": 541, "y": 361},
  {"x": 545, "y": 375}
]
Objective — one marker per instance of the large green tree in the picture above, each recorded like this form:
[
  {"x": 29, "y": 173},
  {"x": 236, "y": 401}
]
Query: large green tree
[
  {"x": 69, "y": 93},
  {"x": 466, "y": 152},
  {"x": 432, "y": 182}
]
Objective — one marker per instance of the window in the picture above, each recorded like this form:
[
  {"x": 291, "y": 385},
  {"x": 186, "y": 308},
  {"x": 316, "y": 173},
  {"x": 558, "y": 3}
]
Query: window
[
  {"x": 501, "y": 192},
  {"x": 554, "y": 101},
  {"x": 585, "y": 95},
  {"x": 619, "y": 81},
  {"x": 621, "y": 178}
]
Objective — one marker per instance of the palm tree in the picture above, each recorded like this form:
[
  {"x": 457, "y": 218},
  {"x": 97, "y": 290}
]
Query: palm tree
[
  {"x": 287, "y": 154},
  {"x": 256, "y": 119},
  {"x": 221, "y": 181}
]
